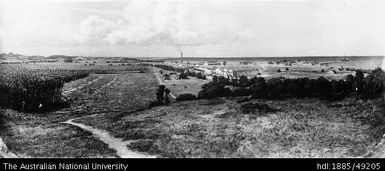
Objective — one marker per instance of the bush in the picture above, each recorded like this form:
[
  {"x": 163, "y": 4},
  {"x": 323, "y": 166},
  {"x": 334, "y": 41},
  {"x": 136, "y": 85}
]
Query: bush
[
  {"x": 154, "y": 104},
  {"x": 373, "y": 84},
  {"x": 201, "y": 76},
  {"x": 166, "y": 77},
  {"x": 183, "y": 76},
  {"x": 214, "y": 89},
  {"x": 370, "y": 86},
  {"x": 186, "y": 97}
]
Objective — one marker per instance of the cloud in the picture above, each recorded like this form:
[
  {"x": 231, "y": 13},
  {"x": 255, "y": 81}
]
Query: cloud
[
  {"x": 94, "y": 30},
  {"x": 175, "y": 24}
]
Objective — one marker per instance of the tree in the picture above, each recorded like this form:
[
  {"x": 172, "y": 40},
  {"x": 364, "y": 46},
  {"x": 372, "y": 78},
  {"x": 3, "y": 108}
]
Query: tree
[
  {"x": 166, "y": 96},
  {"x": 166, "y": 76},
  {"x": 160, "y": 94}
]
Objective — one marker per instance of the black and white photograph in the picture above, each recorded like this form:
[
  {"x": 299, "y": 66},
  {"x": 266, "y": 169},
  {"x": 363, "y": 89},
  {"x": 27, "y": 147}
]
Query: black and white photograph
[{"x": 192, "y": 79}]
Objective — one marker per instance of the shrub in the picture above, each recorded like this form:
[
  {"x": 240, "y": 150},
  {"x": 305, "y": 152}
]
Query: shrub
[
  {"x": 214, "y": 89},
  {"x": 186, "y": 97},
  {"x": 243, "y": 81},
  {"x": 258, "y": 88},
  {"x": 370, "y": 86},
  {"x": 166, "y": 77},
  {"x": 183, "y": 76},
  {"x": 154, "y": 104},
  {"x": 373, "y": 84}
]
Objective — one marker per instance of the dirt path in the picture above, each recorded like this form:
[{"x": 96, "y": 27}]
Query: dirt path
[
  {"x": 161, "y": 82},
  {"x": 4, "y": 152},
  {"x": 114, "y": 143}
]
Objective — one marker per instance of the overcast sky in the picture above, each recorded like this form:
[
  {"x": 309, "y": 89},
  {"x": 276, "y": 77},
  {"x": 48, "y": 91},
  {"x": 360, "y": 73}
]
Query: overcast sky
[{"x": 198, "y": 28}]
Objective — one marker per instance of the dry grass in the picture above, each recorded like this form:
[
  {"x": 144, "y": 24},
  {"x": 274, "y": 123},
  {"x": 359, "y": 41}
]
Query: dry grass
[
  {"x": 302, "y": 128},
  {"x": 39, "y": 136}
]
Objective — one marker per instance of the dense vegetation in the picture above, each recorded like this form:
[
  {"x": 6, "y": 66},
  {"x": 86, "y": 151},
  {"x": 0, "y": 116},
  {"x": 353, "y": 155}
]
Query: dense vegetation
[
  {"x": 162, "y": 97},
  {"x": 279, "y": 88},
  {"x": 2, "y": 122},
  {"x": 34, "y": 91},
  {"x": 185, "y": 97}
]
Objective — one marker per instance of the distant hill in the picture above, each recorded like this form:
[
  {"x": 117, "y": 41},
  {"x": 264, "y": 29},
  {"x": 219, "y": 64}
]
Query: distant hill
[{"x": 61, "y": 56}]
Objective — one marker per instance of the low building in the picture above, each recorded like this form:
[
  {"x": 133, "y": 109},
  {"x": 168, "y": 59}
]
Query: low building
[{"x": 246, "y": 63}]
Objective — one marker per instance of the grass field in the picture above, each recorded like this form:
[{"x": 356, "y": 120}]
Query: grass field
[
  {"x": 202, "y": 128},
  {"x": 43, "y": 135},
  {"x": 192, "y": 85},
  {"x": 217, "y": 128}
]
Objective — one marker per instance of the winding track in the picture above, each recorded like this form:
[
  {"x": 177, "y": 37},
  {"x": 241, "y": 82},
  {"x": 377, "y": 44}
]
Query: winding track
[
  {"x": 114, "y": 143},
  {"x": 4, "y": 152},
  {"x": 161, "y": 82}
]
